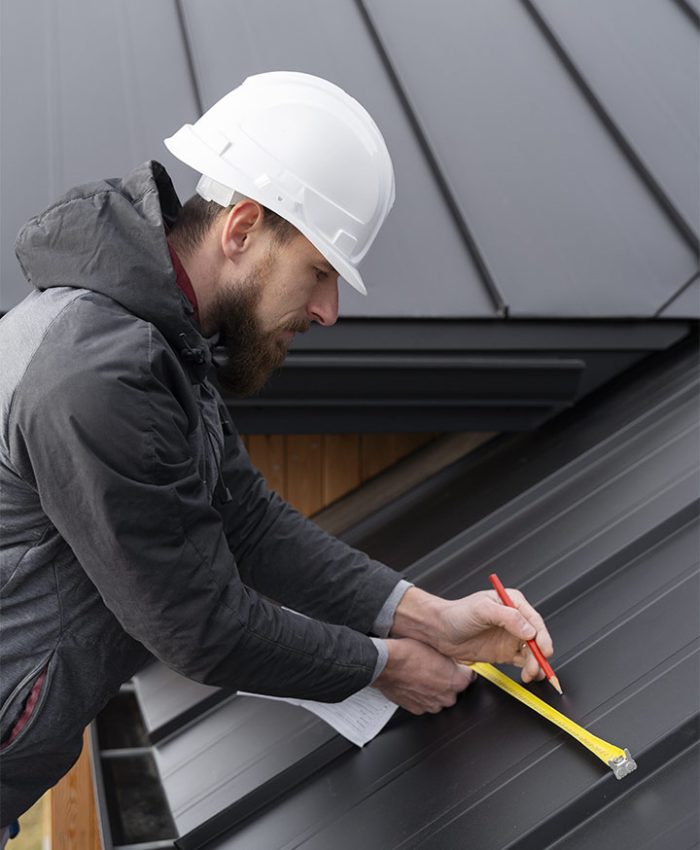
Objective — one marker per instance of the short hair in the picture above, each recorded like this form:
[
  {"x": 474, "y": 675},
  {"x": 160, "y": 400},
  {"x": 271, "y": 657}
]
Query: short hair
[{"x": 197, "y": 216}]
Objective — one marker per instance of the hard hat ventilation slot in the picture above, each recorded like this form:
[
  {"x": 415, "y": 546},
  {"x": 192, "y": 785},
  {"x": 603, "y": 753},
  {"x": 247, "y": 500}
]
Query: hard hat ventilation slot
[{"x": 344, "y": 242}]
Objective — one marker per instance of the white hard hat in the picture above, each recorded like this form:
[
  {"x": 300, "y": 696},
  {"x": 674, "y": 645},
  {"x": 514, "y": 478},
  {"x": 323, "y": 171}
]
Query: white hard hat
[{"x": 304, "y": 148}]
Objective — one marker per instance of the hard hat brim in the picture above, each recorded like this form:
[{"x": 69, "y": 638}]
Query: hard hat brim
[{"x": 346, "y": 270}]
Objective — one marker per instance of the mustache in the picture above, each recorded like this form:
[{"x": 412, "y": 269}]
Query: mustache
[{"x": 297, "y": 326}]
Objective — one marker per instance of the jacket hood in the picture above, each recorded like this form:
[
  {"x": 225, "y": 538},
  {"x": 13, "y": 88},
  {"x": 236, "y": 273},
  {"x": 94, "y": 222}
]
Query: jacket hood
[{"x": 110, "y": 237}]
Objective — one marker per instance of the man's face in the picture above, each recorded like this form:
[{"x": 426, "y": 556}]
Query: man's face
[{"x": 289, "y": 286}]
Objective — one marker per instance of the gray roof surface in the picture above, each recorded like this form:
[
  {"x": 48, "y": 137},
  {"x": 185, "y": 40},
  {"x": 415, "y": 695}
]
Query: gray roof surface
[
  {"x": 546, "y": 152},
  {"x": 685, "y": 301},
  {"x": 595, "y": 517},
  {"x": 639, "y": 82},
  {"x": 232, "y": 752}
]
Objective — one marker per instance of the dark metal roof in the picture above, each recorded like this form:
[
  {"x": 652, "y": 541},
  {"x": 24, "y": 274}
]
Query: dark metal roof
[
  {"x": 685, "y": 301},
  {"x": 561, "y": 217},
  {"x": 238, "y": 751},
  {"x": 619, "y": 52},
  {"x": 546, "y": 153},
  {"x": 595, "y": 517}
]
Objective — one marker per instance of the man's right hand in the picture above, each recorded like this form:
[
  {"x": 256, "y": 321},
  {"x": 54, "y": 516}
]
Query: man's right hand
[{"x": 420, "y": 679}]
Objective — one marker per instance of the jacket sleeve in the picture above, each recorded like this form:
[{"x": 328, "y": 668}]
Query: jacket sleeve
[
  {"x": 100, "y": 428},
  {"x": 291, "y": 560}
]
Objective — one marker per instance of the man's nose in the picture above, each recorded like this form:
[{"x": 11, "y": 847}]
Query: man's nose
[{"x": 323, "y": 306}]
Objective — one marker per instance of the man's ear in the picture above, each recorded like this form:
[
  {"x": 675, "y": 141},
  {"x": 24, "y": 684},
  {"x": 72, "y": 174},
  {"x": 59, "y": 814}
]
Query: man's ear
[{"x": 244, "y": 219}]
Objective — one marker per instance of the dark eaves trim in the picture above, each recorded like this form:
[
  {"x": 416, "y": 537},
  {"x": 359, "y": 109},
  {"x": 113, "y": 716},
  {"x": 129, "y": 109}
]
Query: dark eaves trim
[{"x": 384, "y": 376}]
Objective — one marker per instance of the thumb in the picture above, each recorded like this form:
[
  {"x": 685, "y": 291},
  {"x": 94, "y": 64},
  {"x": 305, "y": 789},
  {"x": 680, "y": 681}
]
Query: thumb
[{"x": 509, "y": 619}]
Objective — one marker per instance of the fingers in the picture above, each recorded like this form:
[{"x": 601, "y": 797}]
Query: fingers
[
  {"x": 419, "y": 703},
  {"x": 523, "y": 658},
  {"x": 544, "y": 641},
  {"x": 419, "y": 678},
  {"x": 531, "y": 670},
  {"x": 510, "y": 619},
  {"x": 530, "y": 616},
  {"x": 463, "y": 677}
]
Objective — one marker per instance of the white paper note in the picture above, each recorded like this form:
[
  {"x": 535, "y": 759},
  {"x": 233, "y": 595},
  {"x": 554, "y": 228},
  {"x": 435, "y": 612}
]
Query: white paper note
[{"x": 359, "y": 718}]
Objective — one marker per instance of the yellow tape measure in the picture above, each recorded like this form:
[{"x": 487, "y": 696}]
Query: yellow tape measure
[{"x": 618, "y": 760}]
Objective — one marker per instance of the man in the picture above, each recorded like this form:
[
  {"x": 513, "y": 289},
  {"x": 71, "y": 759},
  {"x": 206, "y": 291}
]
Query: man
[{"x": 133, "y": 524}]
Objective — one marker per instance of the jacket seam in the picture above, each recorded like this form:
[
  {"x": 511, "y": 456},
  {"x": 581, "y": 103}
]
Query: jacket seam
[
  {"x": 29, "y": 548},
  {"x": 35, "y": 353}
]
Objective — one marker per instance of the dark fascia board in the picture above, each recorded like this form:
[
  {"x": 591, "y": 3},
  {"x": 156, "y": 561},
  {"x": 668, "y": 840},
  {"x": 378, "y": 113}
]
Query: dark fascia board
[
  {"x": 431, "y": 335},
  {"x": 430, "y": 375}
]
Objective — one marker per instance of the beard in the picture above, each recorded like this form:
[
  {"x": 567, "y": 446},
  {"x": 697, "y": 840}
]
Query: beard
[{"x": 253, "y": 354}]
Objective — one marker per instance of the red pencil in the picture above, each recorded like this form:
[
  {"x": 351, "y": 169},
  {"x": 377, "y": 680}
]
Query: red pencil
[{"x": 536, "y": 651}]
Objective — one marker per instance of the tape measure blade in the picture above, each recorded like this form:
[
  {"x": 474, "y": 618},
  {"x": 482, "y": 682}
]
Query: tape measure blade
[{"x": 604, "y": 750}]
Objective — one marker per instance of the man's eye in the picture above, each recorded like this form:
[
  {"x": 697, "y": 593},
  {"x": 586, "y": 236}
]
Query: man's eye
[{"x": 320, "y": 274}]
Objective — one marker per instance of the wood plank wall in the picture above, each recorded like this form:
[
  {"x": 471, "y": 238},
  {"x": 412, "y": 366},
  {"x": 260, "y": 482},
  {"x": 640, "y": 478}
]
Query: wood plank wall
[
  {"x": 73, "y": 813},
  {"x": 310, "y": 472}
]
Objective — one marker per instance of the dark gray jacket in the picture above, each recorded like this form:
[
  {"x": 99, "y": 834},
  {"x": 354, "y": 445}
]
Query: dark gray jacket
[{"x": 116, "y": 541}]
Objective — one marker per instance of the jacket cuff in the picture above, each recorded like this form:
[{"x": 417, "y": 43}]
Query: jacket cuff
[
  {"x": 385, "y": 618},
  {"x": 382, "y": 658}
]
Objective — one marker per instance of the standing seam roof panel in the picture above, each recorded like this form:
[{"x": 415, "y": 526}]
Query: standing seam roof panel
[
  {"x": 693, "y": 5},
  {"x": 554, "y": 215},
  {"x": 640, "y": 810},
  {"x": 562, "y": 218},
  {"x": 686, "y": 303},
  {"x": 644, "y": 69},
  {"x": 211, "y": 766}
]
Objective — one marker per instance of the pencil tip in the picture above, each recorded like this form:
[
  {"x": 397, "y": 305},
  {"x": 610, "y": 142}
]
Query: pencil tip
[{"x": 554, "y": 682}]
